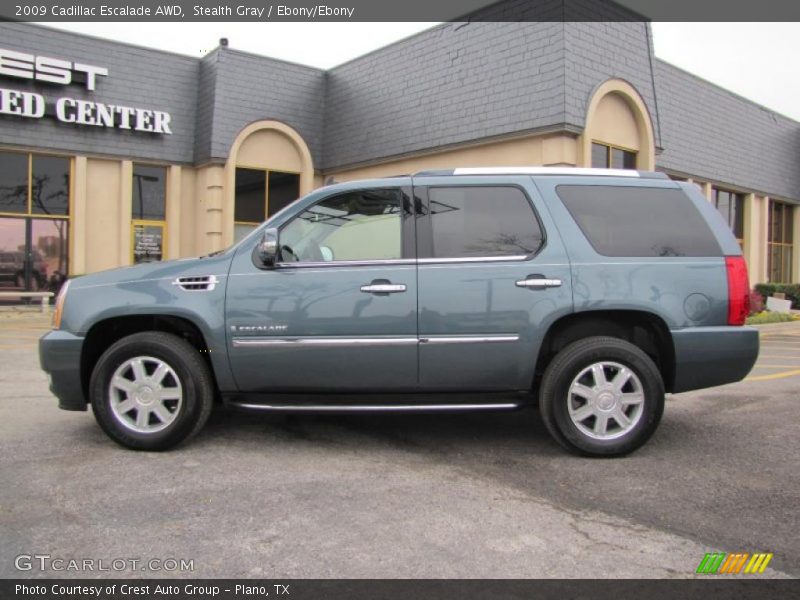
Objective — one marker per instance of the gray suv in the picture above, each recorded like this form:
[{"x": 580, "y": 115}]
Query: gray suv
[{"x": 590, "y": 293}]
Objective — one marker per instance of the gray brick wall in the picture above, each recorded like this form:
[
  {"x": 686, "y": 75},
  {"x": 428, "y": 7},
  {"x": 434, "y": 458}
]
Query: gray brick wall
[
  {"x": 454, "y": 83},
  {"x": 206, "y": 97},
  {"x": 714, "y": 134},
  {"x": 596, "y": 52},
  {"x": 251, "y": 88},
  {"x": 137, "y": 77}
]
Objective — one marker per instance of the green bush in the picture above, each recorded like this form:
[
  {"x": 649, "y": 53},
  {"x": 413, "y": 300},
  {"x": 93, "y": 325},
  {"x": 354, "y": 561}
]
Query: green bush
[
  {"x": 756, "y": 303},
  {"x": 765, "y": 317},
  {"x": 792, "y": 291}
]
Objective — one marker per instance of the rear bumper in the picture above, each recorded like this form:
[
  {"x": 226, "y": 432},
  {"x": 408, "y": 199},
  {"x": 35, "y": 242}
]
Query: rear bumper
[
  {"x": 710, "y": 356},
  {"x": 60, "y": 357}
]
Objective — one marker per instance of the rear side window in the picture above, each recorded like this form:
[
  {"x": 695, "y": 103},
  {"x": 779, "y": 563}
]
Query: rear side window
[
  {"x": 482, "y": 221},
  {"x": 639, "y": 221}
]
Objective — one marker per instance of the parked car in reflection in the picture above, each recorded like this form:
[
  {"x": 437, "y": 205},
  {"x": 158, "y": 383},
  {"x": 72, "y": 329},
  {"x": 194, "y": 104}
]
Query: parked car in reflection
[{"x": 12, "y": 270}]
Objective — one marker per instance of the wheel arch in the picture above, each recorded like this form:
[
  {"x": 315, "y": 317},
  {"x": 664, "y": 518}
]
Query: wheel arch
[
  {"x": 644, "y": 329},
  {"x": 102, "y": 334}
]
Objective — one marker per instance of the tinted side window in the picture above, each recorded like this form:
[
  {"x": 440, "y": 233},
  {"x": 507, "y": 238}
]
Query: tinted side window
[
  {"x": 360, "y": 225},
  {"x": 482, "y": 221},
  {"x": 639, "y": 221}
]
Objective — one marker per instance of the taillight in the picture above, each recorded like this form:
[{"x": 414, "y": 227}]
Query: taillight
[{"x": 738, "y": 290}]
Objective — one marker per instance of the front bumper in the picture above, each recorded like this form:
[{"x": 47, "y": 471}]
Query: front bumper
[
  {"x": 710, "y": 356},
  {"x": 60, "y": 357}
]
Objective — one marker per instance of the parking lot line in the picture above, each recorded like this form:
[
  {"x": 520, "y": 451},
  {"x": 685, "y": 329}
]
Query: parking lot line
[{"x": 781, "y": 375}]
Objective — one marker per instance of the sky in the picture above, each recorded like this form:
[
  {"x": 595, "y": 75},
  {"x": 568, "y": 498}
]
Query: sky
[{"x": 756, "y": 60}]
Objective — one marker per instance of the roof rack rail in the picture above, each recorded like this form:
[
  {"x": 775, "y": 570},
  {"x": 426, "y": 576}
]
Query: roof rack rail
[{"x": 542, "y": 171}]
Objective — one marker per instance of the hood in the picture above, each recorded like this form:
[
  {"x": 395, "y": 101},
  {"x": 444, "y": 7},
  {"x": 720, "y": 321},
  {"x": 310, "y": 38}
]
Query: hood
[{"x": 170, "y": 269}]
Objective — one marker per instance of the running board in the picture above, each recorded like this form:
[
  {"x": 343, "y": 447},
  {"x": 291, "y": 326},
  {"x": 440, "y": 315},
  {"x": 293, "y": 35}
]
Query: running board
[{"x": 348, "y": 408}]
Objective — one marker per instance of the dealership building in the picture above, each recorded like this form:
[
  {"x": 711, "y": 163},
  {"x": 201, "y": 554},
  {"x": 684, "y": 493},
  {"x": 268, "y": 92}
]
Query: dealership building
[{"x": 112, "y": 154}]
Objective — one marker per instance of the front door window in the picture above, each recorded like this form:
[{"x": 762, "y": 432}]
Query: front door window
[{"x": 360, "y": 225}]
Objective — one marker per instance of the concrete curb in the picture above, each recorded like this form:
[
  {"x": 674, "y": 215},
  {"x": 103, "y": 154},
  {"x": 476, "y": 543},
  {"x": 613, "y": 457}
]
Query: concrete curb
[{"x": 778, "y": 327}]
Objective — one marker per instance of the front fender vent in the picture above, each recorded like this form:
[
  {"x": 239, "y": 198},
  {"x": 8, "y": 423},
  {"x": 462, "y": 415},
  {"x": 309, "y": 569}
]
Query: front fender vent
[{"x": 201, "y": 283}]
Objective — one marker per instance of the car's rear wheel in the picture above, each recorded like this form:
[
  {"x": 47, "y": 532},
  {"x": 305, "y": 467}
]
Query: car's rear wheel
[
  {"x": 602, "y": 396},
  {"x": 151, "y": 391}
]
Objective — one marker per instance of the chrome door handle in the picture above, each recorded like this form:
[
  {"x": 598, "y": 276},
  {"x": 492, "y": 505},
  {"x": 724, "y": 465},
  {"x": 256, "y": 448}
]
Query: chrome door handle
[
  {"x": 536, "y": 282},
  {"x": 383, "y": 288}
]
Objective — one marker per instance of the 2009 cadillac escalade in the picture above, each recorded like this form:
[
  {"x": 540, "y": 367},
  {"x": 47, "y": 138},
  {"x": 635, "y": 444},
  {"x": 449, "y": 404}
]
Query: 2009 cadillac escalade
[{"x": 588, "y": 292}]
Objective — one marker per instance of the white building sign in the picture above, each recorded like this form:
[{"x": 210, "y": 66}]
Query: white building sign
[{"x": 73, "y": 111}]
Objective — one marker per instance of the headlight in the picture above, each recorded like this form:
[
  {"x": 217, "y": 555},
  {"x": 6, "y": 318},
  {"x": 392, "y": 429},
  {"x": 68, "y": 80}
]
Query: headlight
[{"x": 62, "y": 295}]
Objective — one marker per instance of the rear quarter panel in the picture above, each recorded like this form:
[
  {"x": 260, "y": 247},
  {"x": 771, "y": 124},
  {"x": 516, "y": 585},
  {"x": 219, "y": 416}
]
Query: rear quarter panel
[{"x": 682, "y": 291}]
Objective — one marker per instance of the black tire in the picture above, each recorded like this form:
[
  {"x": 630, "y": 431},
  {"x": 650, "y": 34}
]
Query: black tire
[
  {"x": 555, "y": 398},
  {"x": 193, "y": 376}
]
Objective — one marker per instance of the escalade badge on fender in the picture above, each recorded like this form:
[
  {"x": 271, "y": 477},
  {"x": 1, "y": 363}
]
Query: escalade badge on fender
[{"x": 259, "y": 328}]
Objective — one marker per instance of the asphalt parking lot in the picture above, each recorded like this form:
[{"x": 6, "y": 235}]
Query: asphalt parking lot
[{"x": 405, "y": 496}]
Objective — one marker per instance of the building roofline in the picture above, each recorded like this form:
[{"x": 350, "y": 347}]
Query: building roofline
[
  {"x": 427, "y": 31},
  {"x": 270, "y": 58},
  {"x": 110, "y": 41},
  {"x": 224, "y": 48},
  {"x": 394, "y": 43},
  {"x": 719, "y": 87}
]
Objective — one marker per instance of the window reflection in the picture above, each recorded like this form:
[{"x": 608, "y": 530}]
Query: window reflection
[
  {"x": 13, "y": 182},
  {"x": 482, "y": 221},
  {"x": 50, "y": 185},
  {"x": 34, "y": 249},
  {"x": 363, "y": 225}
]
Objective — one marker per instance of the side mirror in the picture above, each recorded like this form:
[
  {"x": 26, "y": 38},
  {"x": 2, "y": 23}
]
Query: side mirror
[{"x": 268, "y": 247}]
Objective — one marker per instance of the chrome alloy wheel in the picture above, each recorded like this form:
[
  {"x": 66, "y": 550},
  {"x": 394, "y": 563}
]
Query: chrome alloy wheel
[
  {"x": 145, "y": 394},
  {"x": 606, "y": 400}
]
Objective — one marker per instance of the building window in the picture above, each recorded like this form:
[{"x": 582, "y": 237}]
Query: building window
[
  {"x": 148, "y": 213},
  {"x": 780, "y": 241},
  {"x": 34, "y": 221},
  {"x": 605, "y": 156},
  {"x": 731, "y": 206},
  {"x": 261, "y": 193}
]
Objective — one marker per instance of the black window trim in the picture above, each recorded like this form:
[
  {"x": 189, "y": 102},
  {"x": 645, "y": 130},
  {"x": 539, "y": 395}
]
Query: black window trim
[
  {"x": 157, "y": 165},
  {"x": 407, "y": 235},
  {"x": 425, "y": 229}
]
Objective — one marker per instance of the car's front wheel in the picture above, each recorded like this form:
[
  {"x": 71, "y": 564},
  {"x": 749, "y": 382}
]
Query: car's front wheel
[
  {"x": 151, "y": 391},
  {"x": 601, "y": 396}
]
